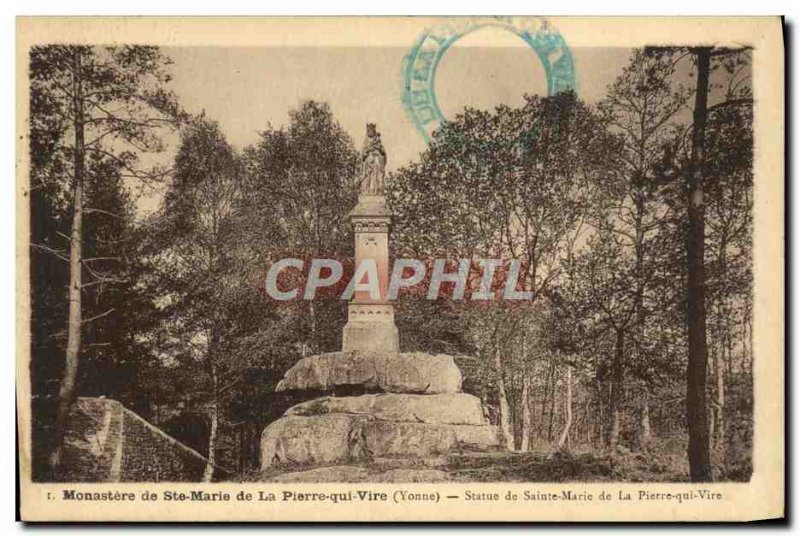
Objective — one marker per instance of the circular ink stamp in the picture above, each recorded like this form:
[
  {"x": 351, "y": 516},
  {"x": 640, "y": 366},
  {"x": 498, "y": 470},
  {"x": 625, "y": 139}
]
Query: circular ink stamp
[{"x": 419, "y": 69}]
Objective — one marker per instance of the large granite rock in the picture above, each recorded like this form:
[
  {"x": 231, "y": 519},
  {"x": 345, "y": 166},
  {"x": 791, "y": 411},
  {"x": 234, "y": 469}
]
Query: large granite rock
[
  {"x": 314, "y": 440},
  {"x": 403, "y": 439},
  {"x": 336, "y": 438},
  {"x": 452, "y": 408},
  {"x": 375, "y": 371}
]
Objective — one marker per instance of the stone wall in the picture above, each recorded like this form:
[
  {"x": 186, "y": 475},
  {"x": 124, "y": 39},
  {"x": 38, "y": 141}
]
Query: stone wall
[{"x": 105, "y": 442}]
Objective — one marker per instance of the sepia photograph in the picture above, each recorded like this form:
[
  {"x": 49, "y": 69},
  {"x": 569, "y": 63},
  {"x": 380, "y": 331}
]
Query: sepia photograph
[{"x": 461, "y": 254}]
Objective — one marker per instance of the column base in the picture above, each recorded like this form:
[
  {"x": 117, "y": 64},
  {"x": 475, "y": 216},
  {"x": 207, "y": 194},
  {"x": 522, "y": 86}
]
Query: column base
[{"x": 370, "y": 327}]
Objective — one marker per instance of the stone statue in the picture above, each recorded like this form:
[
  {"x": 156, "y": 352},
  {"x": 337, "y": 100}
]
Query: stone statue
[{"x": 373, "y": 163}]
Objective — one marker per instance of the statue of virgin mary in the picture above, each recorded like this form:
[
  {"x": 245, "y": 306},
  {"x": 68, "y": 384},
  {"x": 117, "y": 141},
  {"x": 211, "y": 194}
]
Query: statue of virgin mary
[{"x": 373, "y": 163}]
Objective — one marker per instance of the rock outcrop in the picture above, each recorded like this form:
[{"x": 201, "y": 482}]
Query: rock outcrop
[
  {"x": 407, "y": 372},
  {"x": 451, "y": 408},
  {"x": 413, "y": 408},
  {"x": 331, "y": 438}
]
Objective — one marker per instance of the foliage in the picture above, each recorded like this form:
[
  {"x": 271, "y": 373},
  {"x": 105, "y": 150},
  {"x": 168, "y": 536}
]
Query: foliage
[
  {"x": 590, "y": 198},
  {"x": 94, "y": 112}
]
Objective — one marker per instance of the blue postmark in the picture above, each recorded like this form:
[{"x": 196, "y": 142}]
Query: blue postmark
[{"x": 419, "y": 69}]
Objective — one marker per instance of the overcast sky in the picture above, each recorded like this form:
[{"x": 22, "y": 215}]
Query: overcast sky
[{"x": 247, "y": 89}]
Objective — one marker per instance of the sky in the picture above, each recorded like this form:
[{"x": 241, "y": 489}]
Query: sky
[{"x": 247, "y": 89}]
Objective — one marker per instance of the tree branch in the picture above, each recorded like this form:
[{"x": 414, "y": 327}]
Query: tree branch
[{"x": 49, "y": 250}]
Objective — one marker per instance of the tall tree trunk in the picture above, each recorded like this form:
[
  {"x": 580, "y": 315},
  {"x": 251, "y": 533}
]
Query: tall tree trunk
[
  {"x": 618, "y": 378},
  {"x": 696, "y": 409},
  {"x": 543, "y": 416},
  {"x": 526, "y": 412},
  {"x": 568, "y": 409},
  {"x": 639, "y": 330},
  {"x": 644, "y": 420},
  {"x": 506, "y": 437},
  {"x": 589, "y": 423},
  {"x": 601, "y": 421},
  {"x": 514, "y": 406},
  {"x": 722, "y": 358},
  {"x": 719, "y": 406},
  {"x": 66, "y": 392},
  {"x": 213, "y": 411}
]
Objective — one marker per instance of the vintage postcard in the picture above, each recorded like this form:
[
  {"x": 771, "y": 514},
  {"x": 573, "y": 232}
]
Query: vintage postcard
[{"x": 400, "y": 269}]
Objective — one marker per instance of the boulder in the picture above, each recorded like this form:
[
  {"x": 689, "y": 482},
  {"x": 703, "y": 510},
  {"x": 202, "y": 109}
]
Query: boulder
[
  {"x": 403, "y": 439},
  {"x": 376, "y": 371},
  {"x": 315, "y": 440},
  {"x": 452, "y": 408},
  {"x": 336, "y": 438}
]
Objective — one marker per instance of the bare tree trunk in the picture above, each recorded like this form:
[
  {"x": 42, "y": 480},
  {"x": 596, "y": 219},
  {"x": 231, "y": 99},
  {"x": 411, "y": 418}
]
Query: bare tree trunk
[
  {"x": 711, "y": 422},
  {"x": 719, "y": 406},
  {"x": 526, "y": 412},
  {"x": 639, "y": 329},
  {"x": 66, "y": 392},
  {"x": 213, "y": 410},
  {"x": 616, "y": 390},
  {"x": 601, "y": 418},
  {"x": 644, "y": 420},
  {"x": 696, "y": 405},
  {"x": 711, "y": 396},
  {"x": 722, "y": 359},
  {"x": 514, "y": 414},
  {"x": 543, "y": 416},
  {"x": 506, "y": 438},
  {"x": 589, "y": 423},
  {"x": 552, "y": 405},
  {"x": 568, "y": 408}
]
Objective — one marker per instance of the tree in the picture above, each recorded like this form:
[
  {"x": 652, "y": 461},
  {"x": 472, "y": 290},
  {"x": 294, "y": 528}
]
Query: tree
[
  {"x": 728, "y": 230},
  {"x": 642, "y": 106},
  {"x": 113, "y": 356},
  {"x": 98, "y": 105},
  {"x": 302, "y": 183},
  {"x": 225, "y": 219},
  {"x": 604, "y": 295},
  {"x": 694, "y": 174},
  {"x": 191, "y": 236},
  {"x": 507, "y": 184},
  {"x": 696, "y": 407},
  {"x": 564, "y": 436}
]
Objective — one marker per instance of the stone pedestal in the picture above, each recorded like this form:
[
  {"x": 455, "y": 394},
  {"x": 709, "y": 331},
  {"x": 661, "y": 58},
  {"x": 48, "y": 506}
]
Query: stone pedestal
[
  {"x": 370, "y": 321},
  {"x": 413, "y": 409},
  {"x": 370, "y": 327},
  {"x": 412, "y": 406}
]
